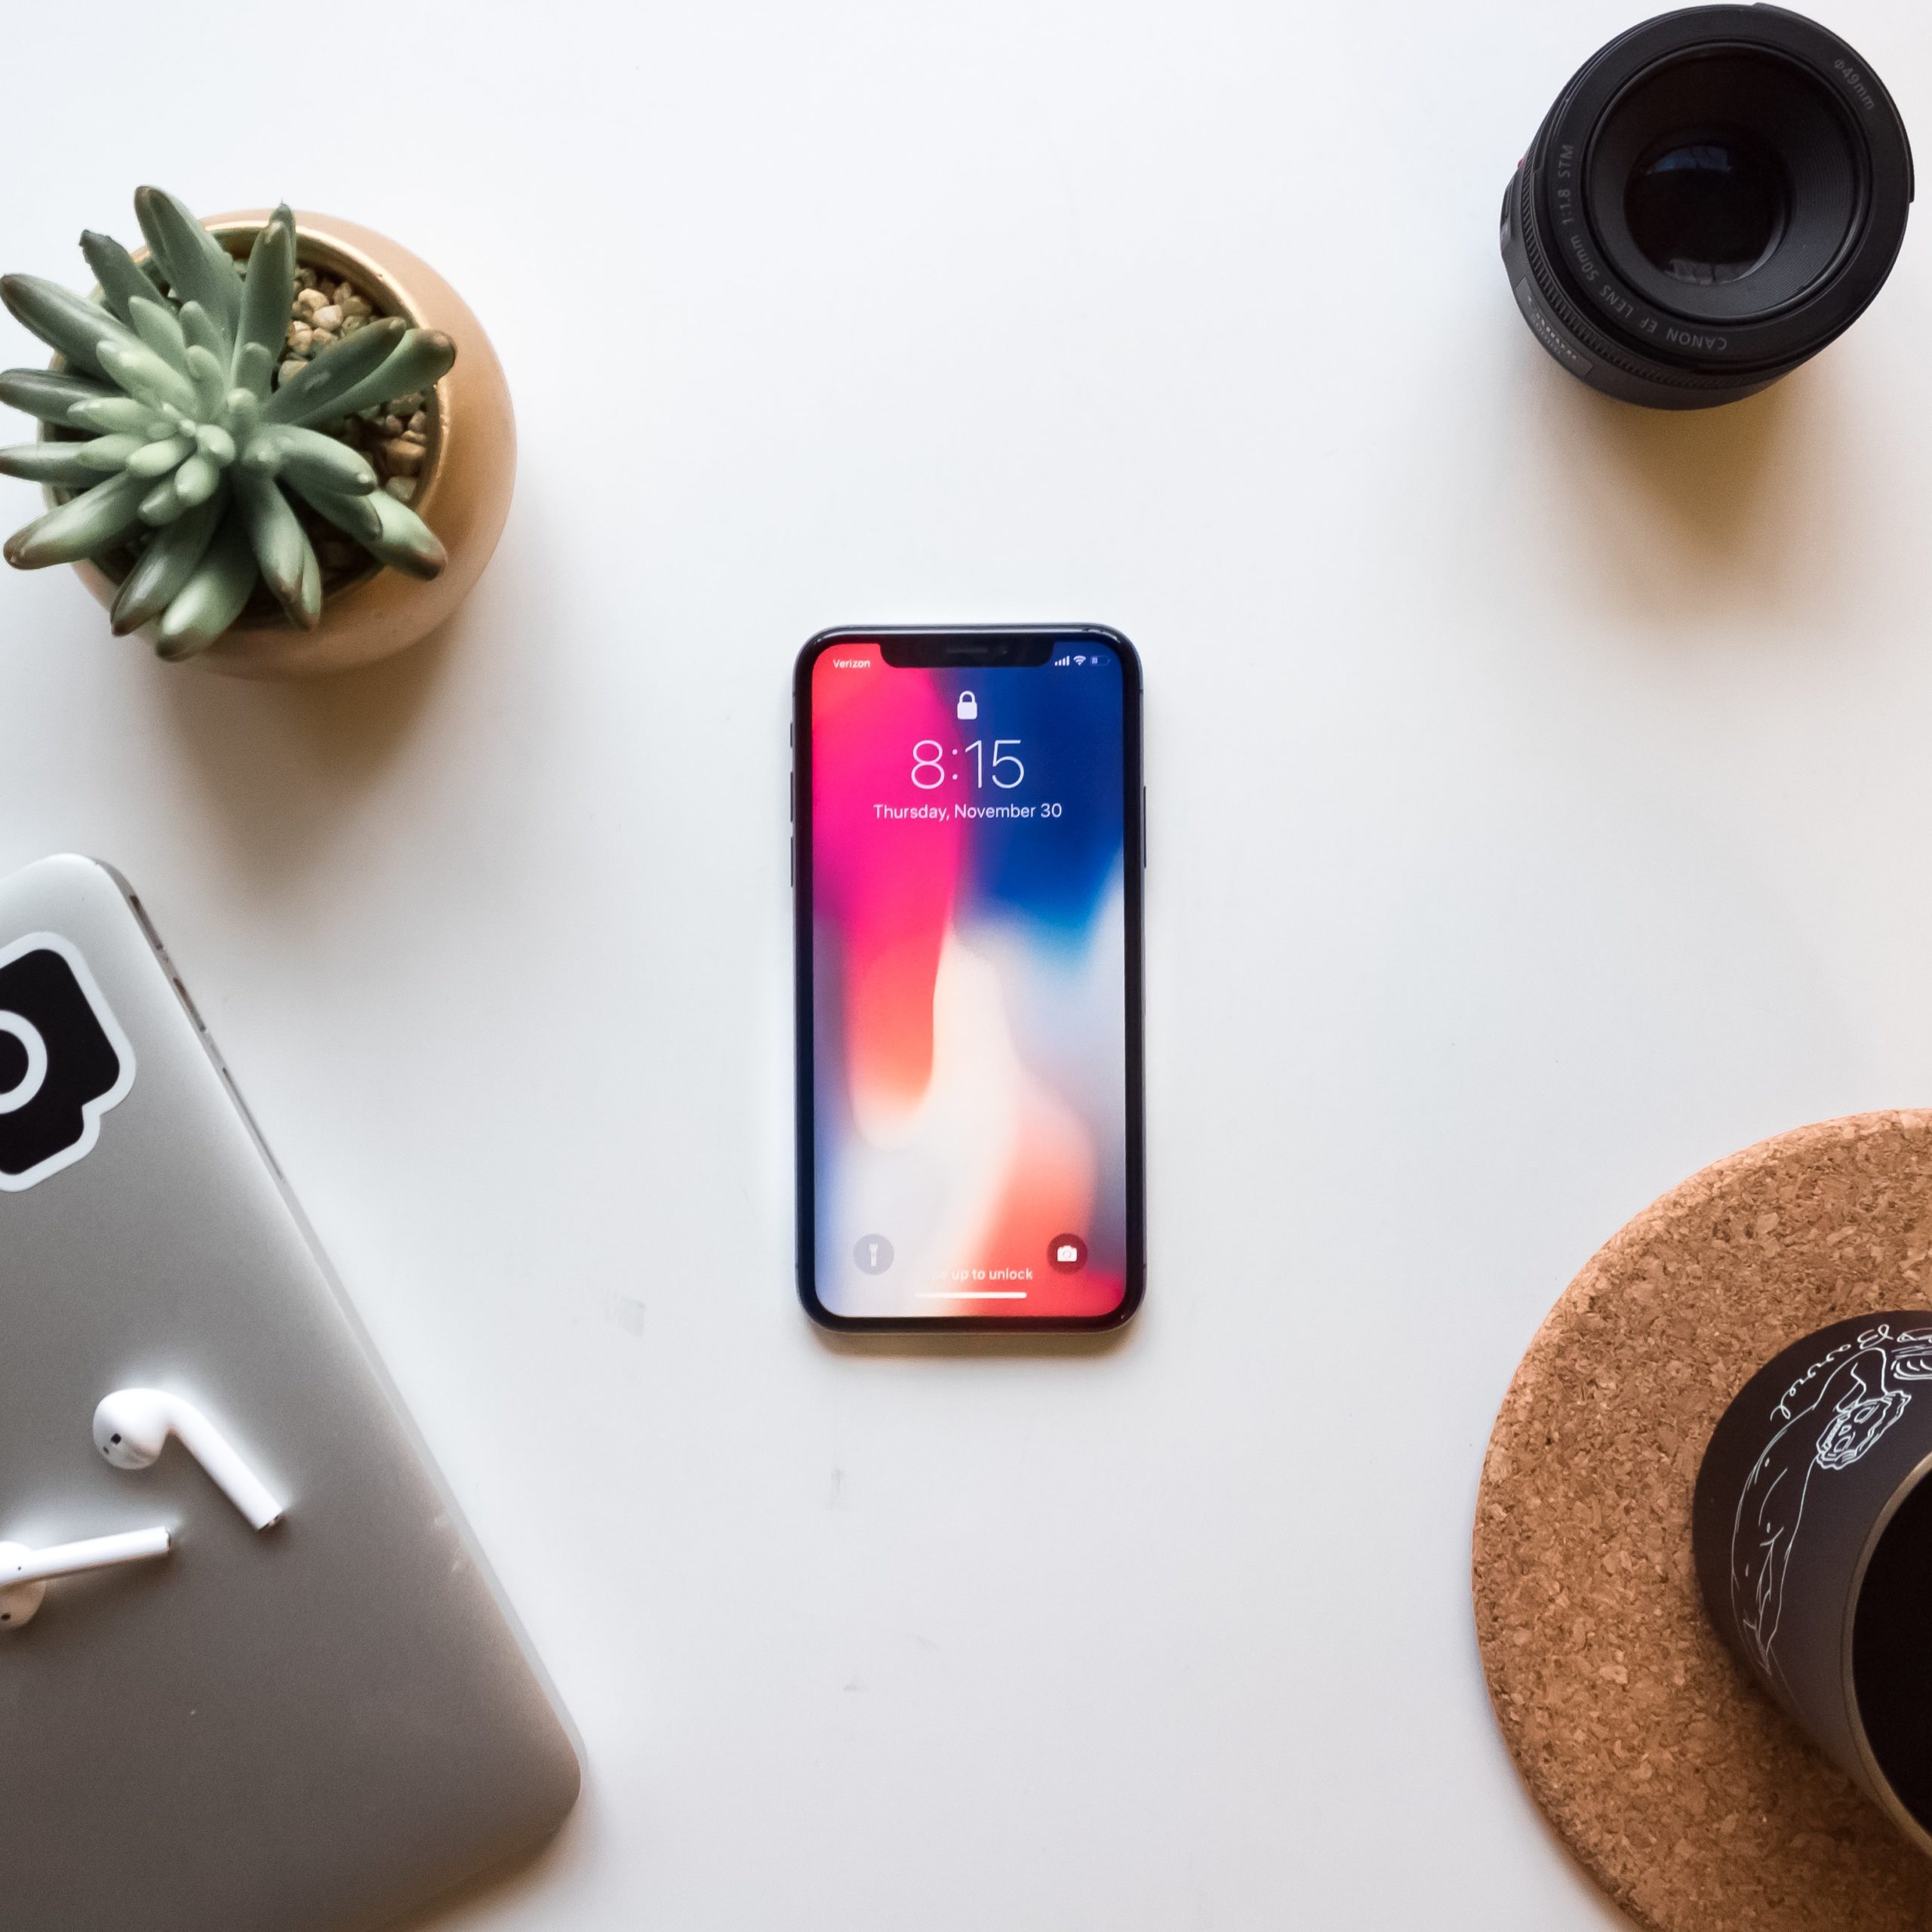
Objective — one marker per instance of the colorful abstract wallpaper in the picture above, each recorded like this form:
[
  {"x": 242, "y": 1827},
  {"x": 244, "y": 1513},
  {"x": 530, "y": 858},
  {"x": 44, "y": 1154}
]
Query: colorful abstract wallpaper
[{"x": 969, "y": 983}]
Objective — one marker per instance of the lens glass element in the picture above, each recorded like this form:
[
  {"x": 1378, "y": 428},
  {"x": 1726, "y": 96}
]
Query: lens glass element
[{"x": 1708, "y": 206}]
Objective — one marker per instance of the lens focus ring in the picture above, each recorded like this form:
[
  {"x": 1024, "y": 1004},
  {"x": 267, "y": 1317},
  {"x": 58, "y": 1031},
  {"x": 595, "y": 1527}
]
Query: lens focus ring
[{"x": 1578, "y": 327}]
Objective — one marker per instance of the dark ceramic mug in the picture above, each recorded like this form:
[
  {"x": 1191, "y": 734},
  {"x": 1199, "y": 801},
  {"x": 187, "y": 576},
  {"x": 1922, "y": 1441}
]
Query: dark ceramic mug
[{"x": 1813, "y": 1532}]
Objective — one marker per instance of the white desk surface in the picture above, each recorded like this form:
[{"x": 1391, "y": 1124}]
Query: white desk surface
[{"x": 1541, "y": 806}]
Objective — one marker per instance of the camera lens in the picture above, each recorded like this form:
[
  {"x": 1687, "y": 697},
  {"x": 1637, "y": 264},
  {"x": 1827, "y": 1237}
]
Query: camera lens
[
  {"x": 1707, "y": 208},
  {"x": 1714, "y": 197}
]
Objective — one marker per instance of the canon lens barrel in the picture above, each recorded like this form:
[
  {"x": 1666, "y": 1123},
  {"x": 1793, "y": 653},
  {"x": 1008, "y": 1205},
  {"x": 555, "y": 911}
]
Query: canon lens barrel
[{"x": 1715, "y": 196}]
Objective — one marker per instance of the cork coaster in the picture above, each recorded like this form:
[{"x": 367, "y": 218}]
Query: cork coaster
[{"x": 1688, "y": 1796}]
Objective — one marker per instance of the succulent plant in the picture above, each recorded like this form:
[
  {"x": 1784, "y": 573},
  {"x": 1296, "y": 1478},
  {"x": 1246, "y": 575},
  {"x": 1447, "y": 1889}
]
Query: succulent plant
[{"x": 192, "y": 446}]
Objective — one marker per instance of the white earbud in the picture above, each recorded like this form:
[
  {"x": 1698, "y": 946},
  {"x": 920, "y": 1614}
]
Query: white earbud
[
  {"x": 25, "y": 1573},
  {"x": 132, "y": 1426}
]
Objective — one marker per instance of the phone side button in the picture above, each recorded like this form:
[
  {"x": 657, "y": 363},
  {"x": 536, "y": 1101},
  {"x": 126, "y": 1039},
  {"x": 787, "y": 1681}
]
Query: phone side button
[
  {"x": 1143, "y": 827},
  {"x": 793, "y": 844}
]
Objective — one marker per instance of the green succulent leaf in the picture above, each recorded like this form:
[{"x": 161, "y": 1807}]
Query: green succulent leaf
[
  {"x": 89, "y": 522},
  {"x": 157, "y": 459},
  {"x": 60, "y": 464},
  {"x": 123, "y": 282},
  {"x": 196, "y": 481},
  {"x": 43, "y": 393},
  {"x": 268, "y": 290},
  {"x": 254, "y": 371},
  {"x": 165, "y": 565},
  {"x": 209, "y": 374},
  {"x": 112, "y": 415},
  {"x": 282, "y": 547},
  {"x": 64, "y": 321},
  {"x": 157, "y": 325},
  {"x": 244, "y": 411},
  {"x": 215, "y": 595},
  {"x": 147, "y": 377},
  {"x": 202, "y": 333},
  {"x": 105, "y": 455},
  {"x": 407, "y": 541},
  {"x": 199, "y": 268},
  {"x": 308, "y": 457},
  {"x": 162, "y": 504},
  {"x": 355, "y": 516},
  {"x": 422, "y": 357},
  {"x": 318, "y": 393},
  {"x": 307, "y": 608}
]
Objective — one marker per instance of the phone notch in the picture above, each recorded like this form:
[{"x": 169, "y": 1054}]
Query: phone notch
[{"x": 968, "y": 651}]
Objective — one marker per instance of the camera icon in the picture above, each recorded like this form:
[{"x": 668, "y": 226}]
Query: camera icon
[{"x": 64, "y": 1060}]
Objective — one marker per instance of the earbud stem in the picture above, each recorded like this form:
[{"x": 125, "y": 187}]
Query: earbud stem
[
  {"x": 73, "y": 1559},
  {"x": 232, "y": 1475}
]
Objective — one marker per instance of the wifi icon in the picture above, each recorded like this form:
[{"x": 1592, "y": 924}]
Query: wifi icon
[{"x": 1080, "y": 660}]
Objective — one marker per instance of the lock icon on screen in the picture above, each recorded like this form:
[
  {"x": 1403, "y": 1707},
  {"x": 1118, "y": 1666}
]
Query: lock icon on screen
[{"x": 969, "y": 705}]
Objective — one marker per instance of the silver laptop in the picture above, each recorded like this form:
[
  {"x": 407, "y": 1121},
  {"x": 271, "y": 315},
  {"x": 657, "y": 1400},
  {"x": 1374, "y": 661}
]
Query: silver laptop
[{"x": 312, "y": 1728}]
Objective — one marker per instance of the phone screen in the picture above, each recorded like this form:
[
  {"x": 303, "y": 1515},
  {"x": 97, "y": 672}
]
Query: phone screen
[{"x": 969, "y": 876}]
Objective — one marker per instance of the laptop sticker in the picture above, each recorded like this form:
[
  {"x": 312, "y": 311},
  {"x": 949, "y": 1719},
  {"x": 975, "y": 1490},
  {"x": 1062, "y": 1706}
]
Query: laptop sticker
[{"x": 64, "y": 1060}]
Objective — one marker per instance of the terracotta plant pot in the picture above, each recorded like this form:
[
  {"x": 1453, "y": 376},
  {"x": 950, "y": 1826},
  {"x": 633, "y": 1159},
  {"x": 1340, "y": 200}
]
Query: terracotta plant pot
[{"x": 464, "y": 496}]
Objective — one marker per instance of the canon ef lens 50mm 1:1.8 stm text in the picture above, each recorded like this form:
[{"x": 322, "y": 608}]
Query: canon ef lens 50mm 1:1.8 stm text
[{"x": 1715, "y": 197}]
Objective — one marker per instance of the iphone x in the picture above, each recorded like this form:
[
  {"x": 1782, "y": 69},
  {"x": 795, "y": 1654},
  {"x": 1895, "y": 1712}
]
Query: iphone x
[{"x": 969, "y": 820}]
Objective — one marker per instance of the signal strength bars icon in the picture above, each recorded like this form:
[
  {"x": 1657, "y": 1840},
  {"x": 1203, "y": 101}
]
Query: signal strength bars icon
[{"x": 1059, "y": 661}]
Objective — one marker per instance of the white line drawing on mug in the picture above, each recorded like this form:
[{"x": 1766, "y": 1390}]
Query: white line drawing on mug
[{"x": 1854, "y": 1406}]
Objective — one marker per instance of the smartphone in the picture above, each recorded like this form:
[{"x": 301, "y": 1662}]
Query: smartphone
[{"x": 967, "y": 849}]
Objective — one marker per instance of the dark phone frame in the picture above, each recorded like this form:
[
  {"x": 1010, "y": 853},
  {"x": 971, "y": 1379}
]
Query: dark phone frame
[{"x": 985, "y": 645}]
